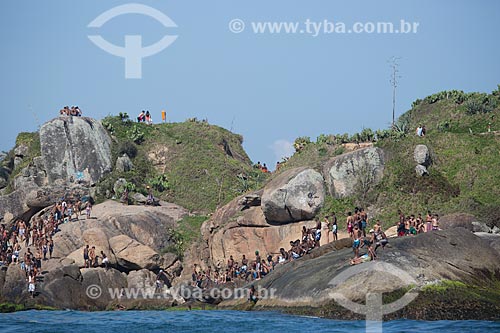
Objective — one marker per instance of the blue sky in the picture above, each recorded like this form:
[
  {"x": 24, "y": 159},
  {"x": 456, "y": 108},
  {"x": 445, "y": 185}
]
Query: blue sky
[{"x": 271, "y": 88}]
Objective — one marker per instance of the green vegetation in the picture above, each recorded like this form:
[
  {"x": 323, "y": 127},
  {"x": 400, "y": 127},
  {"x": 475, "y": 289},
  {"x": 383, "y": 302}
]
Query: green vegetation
[
  {"x": 7, "y": 170},
  {"x": 464, "y": 176},
  {"x": 193, "y": 164},
  {"x": 187, "y": 232}
]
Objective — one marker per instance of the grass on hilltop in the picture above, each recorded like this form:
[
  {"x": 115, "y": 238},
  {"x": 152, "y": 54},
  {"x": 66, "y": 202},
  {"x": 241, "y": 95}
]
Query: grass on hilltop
[{"x": 199, "y": 166}]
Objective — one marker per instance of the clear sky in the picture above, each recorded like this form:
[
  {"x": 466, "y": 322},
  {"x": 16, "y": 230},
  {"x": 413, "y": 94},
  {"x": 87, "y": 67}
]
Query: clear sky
[{"x": 271, "y": 88}]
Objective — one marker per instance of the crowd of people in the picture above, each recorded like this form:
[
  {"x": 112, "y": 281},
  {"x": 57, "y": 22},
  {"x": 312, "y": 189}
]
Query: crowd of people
[
  {"x": 73, "y": 111},
  {"x": 37, "y": 234},
  {"x": 366, "y": 237},
  {"x": 411, "y": 225},
  {"x": 258, "y": 267}
]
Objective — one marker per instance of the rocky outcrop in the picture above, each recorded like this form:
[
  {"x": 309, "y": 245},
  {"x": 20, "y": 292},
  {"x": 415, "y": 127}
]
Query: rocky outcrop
[
  {"x": 145, "y": 224},
  {"x": 353, "y": 172},
  {"x": 130, "y": 236},
  {"x": 419, "y": 261},
  {"x": 75, "y": 147},
  {"x": 237, "y": 232},
  {"x": 124, "y": 164},
  {"x": 295, "y": 195},
  {"x": 422, "y": 156},
  {"x": 132, "y": 255}
]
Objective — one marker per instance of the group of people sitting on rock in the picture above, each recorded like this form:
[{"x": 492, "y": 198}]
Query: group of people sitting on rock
[
  {"x": 73, "y": 111},
  {"x": 411, "y": 225},
  {"x": 244, "y": 271},
  {"x": 145, "y": 117},
  {"x": 255, "y": 269}
]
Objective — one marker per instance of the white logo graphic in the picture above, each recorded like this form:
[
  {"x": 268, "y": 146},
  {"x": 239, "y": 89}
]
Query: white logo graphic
[
  {"x": 93, "y": 291},
  {"x": 133, "y": 52},
  {"x": 374, "y": 310}
]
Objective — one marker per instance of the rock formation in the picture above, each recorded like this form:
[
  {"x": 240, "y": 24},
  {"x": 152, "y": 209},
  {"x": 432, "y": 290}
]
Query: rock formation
[
  {"x": 294, "y": 195},
  {"x": 422, "y": 156},
  {"x": 75, "y": 147},
  {"x": 455, "y": 254},
  {"x": 347, "y": 173}
]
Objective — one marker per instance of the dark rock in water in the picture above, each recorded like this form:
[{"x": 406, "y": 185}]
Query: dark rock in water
[
  {"x": 294, "y": 195},
  {"x": 75, "y": 147}
]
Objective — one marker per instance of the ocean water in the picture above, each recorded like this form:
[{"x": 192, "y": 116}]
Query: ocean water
[{"x": 212, "y": 321}]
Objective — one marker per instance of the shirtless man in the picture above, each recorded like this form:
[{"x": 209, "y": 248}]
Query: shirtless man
[
  {"x": 435, "y": 222},
  {"x": 22, "y": 229},
  {"x": 428, "y": 221},
  {"x": 350, "y": 224},
  {"x": 92, "y": 257}
]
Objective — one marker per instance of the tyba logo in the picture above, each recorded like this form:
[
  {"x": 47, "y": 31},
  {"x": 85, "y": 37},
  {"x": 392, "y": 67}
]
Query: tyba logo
[{"x": 133, "y": 52}]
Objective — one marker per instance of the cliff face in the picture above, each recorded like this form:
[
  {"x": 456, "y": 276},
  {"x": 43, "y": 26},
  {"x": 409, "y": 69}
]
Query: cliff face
[{"x": 74, "y": 147}]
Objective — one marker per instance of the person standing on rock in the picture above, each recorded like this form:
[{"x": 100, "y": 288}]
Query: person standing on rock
[
  {"x": 92, "y": 257},
  {"x": 428, "y": 221},
  {"x": 31, "y": 284},
  {"x": 350, "y": 224},
  {"x": 334, "y": 226},
  {"x": 86, "y": 256},
  {"x": 356, "y": 242},
  {"x": 325, "y": 227},
  {"x": 435, "y": 222},
  {"x": 51, "y": 247},
  {"x": 88, "y": 209}
]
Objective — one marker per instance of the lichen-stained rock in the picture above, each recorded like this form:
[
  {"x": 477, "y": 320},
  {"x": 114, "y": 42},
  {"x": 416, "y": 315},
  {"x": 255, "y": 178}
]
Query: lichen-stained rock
[
  {"x": 421, "y": 155},
  {"x": 345, "y": 173},
  {"x": 295, "y": 195},
  {"x": 75, "y": 146}
]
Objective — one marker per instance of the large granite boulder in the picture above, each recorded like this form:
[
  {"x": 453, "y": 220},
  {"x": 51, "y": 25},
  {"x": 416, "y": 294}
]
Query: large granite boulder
[
  {"x": 350, "y": 173},
  {"x": 295, "y": 195},
  {"x": 421, "y": 155},
  {"x": 132, "y": 255},
  {"x": 15, "y": 203},
  {"x": 145, "y": 224},
  {"x": 141, "y": 279},
  {"x": 14, "y": 285},
  {"x": 236, "y": 229},
  {"x": 75, "y": 147}
]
